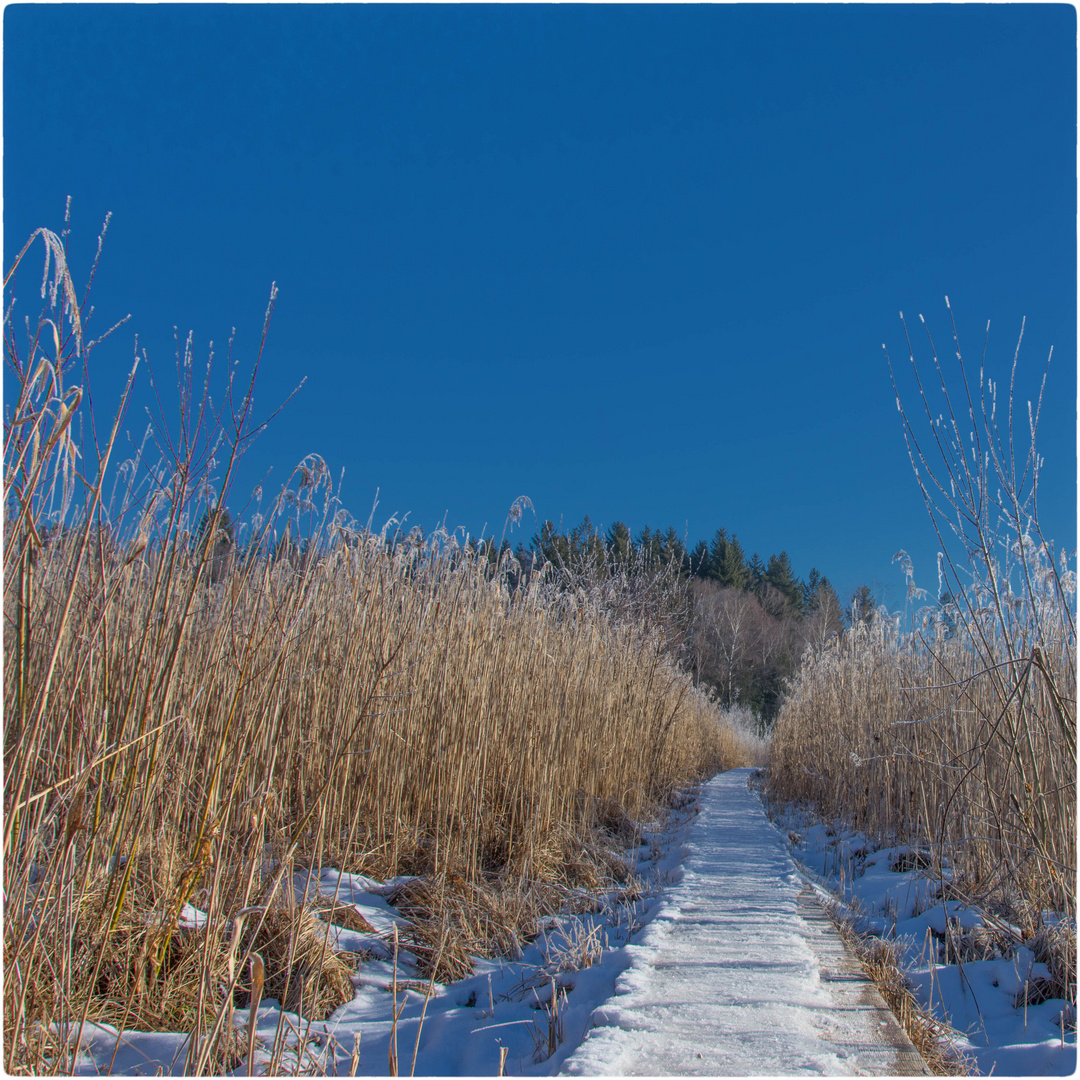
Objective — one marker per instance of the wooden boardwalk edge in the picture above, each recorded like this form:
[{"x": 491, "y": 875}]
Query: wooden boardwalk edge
[{"x": 894, "y": 1054}]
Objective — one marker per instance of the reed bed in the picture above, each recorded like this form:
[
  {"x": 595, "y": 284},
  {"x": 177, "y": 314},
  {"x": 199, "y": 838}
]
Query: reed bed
[
  {"x": 189, "y": 719},
  {"x": 958, "y": 735},
  {"x": 916, "y": 742}
]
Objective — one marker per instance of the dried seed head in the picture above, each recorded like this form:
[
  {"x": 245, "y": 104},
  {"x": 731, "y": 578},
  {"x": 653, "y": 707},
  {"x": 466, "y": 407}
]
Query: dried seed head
[
  {"x": 258, "y": 975},
  {"x": 74, "y": 816}
]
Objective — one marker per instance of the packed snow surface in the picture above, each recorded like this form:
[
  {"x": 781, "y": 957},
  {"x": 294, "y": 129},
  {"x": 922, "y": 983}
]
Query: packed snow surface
[
  {"x": 885, "y": 892},
  {"x": 704, "y": 966},
  {"x": 725, "y": 981}
]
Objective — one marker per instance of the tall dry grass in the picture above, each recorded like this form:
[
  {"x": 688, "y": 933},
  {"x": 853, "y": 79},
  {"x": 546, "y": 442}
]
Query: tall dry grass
[
  {"x": 913, "y": 742},
  {"x": 188, "y": 721},
  {"x": 959, "y": 735}
]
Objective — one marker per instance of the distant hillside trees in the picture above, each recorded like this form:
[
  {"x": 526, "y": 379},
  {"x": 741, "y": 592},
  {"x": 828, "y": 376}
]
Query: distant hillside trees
[
  {"x": 723, "y": 561},
  {"x": 744, "y": 623},
  {"x": 740, "y": 624}
]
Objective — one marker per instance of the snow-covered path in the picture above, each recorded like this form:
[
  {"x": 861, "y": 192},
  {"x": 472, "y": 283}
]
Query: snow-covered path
[
  {"x": 731, "y": 968},
  {"x": 739, "y": 972}
]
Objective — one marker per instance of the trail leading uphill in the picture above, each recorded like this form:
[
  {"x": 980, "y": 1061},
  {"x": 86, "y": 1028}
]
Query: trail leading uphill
[{"x": 740, "y": 972}]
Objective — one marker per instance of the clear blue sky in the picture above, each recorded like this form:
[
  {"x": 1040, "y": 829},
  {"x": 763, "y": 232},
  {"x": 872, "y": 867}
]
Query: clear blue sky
[{"x": 636, "y": 262}]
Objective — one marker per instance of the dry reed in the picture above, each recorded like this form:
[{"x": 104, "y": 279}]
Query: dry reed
[
  {"x": 189, "y": 725},
  {"x": 934, "y": 1040},
  {"x": 960, "y": 735}
]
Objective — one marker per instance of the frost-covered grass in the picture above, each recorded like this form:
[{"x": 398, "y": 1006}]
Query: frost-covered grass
[
  {"x": 1003, "y": 995},
  {"x": 520, "y": 1013},
  {"x": 958, "y": 734},
  {"x": 916, "y": 741},
  {"x": 194, "y": 715},
  {"x": 951, "y": 746}
]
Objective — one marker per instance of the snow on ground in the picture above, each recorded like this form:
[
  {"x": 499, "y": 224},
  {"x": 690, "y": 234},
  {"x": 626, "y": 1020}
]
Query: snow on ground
[
  {"x": 725, "y": 980},
  {"x": 505, "y": 1004},
  {"x": 709, "y": 958},
  {"x": 982, "y": 999}
]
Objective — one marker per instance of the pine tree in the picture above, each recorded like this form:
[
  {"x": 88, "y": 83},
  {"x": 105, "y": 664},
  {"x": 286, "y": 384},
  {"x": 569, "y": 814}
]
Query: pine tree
[
  {"x": 755, "y": 572},
  {"x": 586, "y": 546},
  {"x": 673, "y": 550},
  {"x": 718, "y": 554},
  {"x": 733, "y": 571},
  {"x": 862, "y": 607},
  {"x": 779, "y": 574},
  {"x": 620, "y": 547},
  {"x": 650, "y": 543},
  {"x": 525, "y": 557},
  {"x": 551, "y": 546}
]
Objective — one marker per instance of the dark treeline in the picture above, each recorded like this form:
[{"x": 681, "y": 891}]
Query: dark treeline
[{"x": 745, "y": 621}]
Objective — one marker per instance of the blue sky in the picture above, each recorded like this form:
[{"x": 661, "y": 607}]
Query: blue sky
[{"x": 631, "y": 261}]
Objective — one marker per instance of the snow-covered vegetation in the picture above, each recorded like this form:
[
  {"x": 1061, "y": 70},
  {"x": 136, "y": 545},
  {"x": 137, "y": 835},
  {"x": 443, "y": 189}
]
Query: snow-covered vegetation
[
  {"x": 979, "y": 992},
  {"x": 518, "y": 1013},
  {"x": 956, "y": 738},
  {"x": 199, "y": 709}
]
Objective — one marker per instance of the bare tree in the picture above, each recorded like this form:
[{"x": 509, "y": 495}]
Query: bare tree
[
  {"x": 824, "y": 623},
  {"x": 728, "y": 628}
]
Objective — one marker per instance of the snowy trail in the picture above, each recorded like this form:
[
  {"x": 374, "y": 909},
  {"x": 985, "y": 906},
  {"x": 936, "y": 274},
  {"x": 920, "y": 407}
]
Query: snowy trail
[
  {"x": 739, "y": 972},
  {"x": 732, "y": 968}
]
